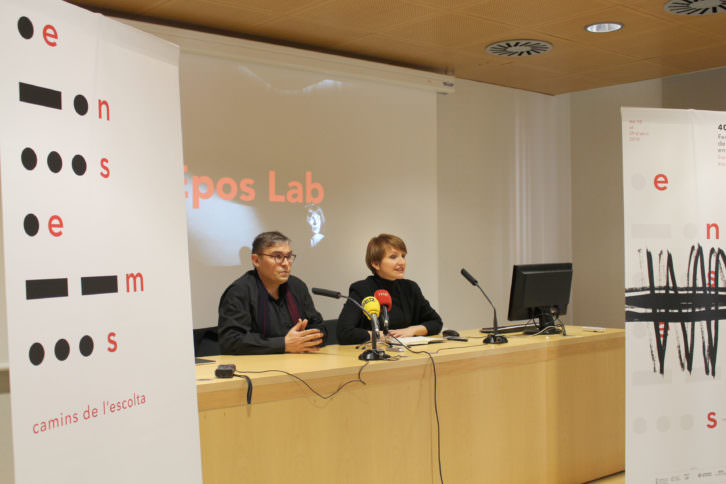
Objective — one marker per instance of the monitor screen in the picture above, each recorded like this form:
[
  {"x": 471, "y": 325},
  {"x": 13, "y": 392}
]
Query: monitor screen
[{"x": 540, "y": 291}]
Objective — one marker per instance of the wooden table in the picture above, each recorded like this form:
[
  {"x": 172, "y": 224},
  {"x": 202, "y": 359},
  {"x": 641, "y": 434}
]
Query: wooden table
[{"x": 538, "y": 409}]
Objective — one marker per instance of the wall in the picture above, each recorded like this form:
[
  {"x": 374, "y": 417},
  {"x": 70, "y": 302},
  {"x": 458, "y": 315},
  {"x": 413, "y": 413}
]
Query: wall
[
  {"x": 597, "y": 198},
  {"x": 504, "y": 193}
]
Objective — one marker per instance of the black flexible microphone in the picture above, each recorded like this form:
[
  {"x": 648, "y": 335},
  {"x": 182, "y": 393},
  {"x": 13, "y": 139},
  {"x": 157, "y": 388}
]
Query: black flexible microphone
[
  {"x": 327, "y": 293},
  {"x": 337, "y": 295},
  {"x": 494, "y": 337},
  {"x": 467, "y": 276}
]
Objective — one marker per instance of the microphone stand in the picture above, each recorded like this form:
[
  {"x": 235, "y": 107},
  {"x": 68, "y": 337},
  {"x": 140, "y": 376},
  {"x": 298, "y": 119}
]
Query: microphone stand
[
  {"x": 374, "y": 353},
  {"x": 494, "y": 338}
]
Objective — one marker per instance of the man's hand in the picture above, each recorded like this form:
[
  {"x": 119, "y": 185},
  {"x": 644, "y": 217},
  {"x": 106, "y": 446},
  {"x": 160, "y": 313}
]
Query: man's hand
[{"x": 300, "y": 340}]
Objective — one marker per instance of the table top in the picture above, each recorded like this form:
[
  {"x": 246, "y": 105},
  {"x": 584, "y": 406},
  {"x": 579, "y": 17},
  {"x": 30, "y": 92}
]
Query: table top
[{"x": 342, "y": 360}]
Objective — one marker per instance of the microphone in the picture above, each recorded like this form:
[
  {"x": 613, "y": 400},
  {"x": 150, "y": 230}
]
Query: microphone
[
  {"x": 372, "y": 309},
  {"x": 466, "y": 275},
  {"x": 494, "y": 337},
  {"x": 384, "y": 298},
  {"x": 338, "y": 295},
  {"x": 327, "y": 293}
]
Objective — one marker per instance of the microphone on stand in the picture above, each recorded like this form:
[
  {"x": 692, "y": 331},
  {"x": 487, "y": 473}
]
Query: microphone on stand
[
  {"x": 384, "y": 298},
  {"x": 494, "y": 337},
  {"x": 372, "y": 309}
]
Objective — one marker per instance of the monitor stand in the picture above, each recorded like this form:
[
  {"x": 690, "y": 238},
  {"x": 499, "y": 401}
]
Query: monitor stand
[
  {"x": 545, "y": 330},
  {"x": 545, "y": 323}
]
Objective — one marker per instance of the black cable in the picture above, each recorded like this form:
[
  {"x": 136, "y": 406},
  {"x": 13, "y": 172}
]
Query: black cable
[
  {"x": 436, "y": 400},
  {"x": 249, "y": 387},
  {"x": 241, "y": 373}
]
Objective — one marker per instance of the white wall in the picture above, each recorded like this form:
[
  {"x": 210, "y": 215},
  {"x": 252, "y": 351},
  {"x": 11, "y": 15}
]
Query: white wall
[{"x": 504, "y": 193}]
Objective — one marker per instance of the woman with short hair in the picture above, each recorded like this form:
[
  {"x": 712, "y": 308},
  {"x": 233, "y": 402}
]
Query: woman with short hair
[{"x": 410, "y": 314}]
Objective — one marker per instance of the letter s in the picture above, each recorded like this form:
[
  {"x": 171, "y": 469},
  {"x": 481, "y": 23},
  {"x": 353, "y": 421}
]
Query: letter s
[
  {"x": 113, "y": 346},
  {"x": 712, "y": 422},
  {"x": 105, "y": 170}
]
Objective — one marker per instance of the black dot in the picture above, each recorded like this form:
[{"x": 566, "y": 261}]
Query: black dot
[
  {"x": 62, "y": 349},
  {"x": 86, "y": 345},
  {"x": 31, "y": 225},
  {"x": 80, "y": 104},
  {"x": 25, "y": 27},
  {"x": 36, "y": 354},
  {"x": 29, "y": 158},
  {"x": 55, "y": 162},
  {"x": 79, "y": 165}
]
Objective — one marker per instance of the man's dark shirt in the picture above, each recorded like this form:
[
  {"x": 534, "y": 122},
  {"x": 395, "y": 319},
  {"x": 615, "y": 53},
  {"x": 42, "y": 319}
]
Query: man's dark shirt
[{"x": 242, "y": 330}]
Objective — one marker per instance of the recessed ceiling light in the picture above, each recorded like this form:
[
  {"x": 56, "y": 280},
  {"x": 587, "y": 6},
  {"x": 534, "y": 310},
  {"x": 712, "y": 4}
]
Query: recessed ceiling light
[
  {"x": 520, "y": 47},
  {"x": 604, "y": 27},
  {"x": 695, "y": 7}
]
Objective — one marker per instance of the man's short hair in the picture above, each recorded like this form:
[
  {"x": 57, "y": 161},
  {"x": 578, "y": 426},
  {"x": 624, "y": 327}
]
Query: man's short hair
[
  {"x": 268, "y": 239},
  {"x": 376, "y": 250}
]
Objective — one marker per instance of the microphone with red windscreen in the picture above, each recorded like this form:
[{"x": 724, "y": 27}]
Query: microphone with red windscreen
[{"x": 384, "y": 299}]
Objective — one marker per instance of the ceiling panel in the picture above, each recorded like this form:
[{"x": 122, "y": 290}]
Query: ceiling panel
[
  {"x": 705, "y": 57},
  {"x": 653, "y": 43},
  {"x": 280, "y": 7},
  {"x": 712, "y": 24},
  {"x": 378, "y": 46},
  {"x": 527, "y": 13},
  {"x": 211, "y": 15},
  {"x": 450, "y": 36},
  {"x": 302, "y": 31},
  {"x": 373, "y": 14},
  {"x": 635, "y": 23},
  {"x": 448, "y": 30}
]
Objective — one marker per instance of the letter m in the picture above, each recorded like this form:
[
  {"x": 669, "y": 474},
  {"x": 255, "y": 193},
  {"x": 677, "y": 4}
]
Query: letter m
[{"x": 135, "y": 277}]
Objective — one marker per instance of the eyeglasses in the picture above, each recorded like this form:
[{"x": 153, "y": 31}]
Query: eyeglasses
[{"x": 279, "y": 258}]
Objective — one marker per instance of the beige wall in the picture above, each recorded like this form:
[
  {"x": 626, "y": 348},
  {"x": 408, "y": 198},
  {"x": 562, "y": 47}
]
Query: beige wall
[
  {"x": 597, "y": 199},
  {"x": 503, "y": 193}
]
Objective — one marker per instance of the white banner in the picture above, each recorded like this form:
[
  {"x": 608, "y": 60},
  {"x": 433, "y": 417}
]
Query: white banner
[
  {"x": 96, "y": 269},
  {"x": 674, "y": 168}
]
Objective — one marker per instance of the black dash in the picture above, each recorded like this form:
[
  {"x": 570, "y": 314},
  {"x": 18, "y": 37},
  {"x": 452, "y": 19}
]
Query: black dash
[
  {"x": 45, "y": 288},
  {"x": 99, "y": 285},
  {"x": 40, "y": 95}
]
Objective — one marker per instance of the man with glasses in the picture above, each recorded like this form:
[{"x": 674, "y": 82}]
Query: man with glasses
[{"x": 267, "y": 310}]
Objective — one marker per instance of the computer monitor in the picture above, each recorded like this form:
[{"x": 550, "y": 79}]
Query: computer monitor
[{"x": 540, "y": 292}]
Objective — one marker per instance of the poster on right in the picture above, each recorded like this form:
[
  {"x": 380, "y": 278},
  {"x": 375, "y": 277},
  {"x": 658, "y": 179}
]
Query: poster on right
[{"x": 674, "y": 189}]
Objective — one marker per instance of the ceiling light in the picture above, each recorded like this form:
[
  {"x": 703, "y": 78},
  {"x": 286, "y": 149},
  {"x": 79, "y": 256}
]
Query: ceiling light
[
  {"x": 521, "y": 47},
  {"x": 695, "y": 7},
  {"x": 604, "y": 27}
]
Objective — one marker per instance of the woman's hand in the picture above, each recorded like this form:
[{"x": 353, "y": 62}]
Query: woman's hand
[{"x": 417, "y": 330}]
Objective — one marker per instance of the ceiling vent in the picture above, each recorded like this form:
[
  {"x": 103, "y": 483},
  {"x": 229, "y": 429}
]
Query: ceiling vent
[
  {"x": 695, "y": 7},
  {"x": 515, "y": 48}
]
